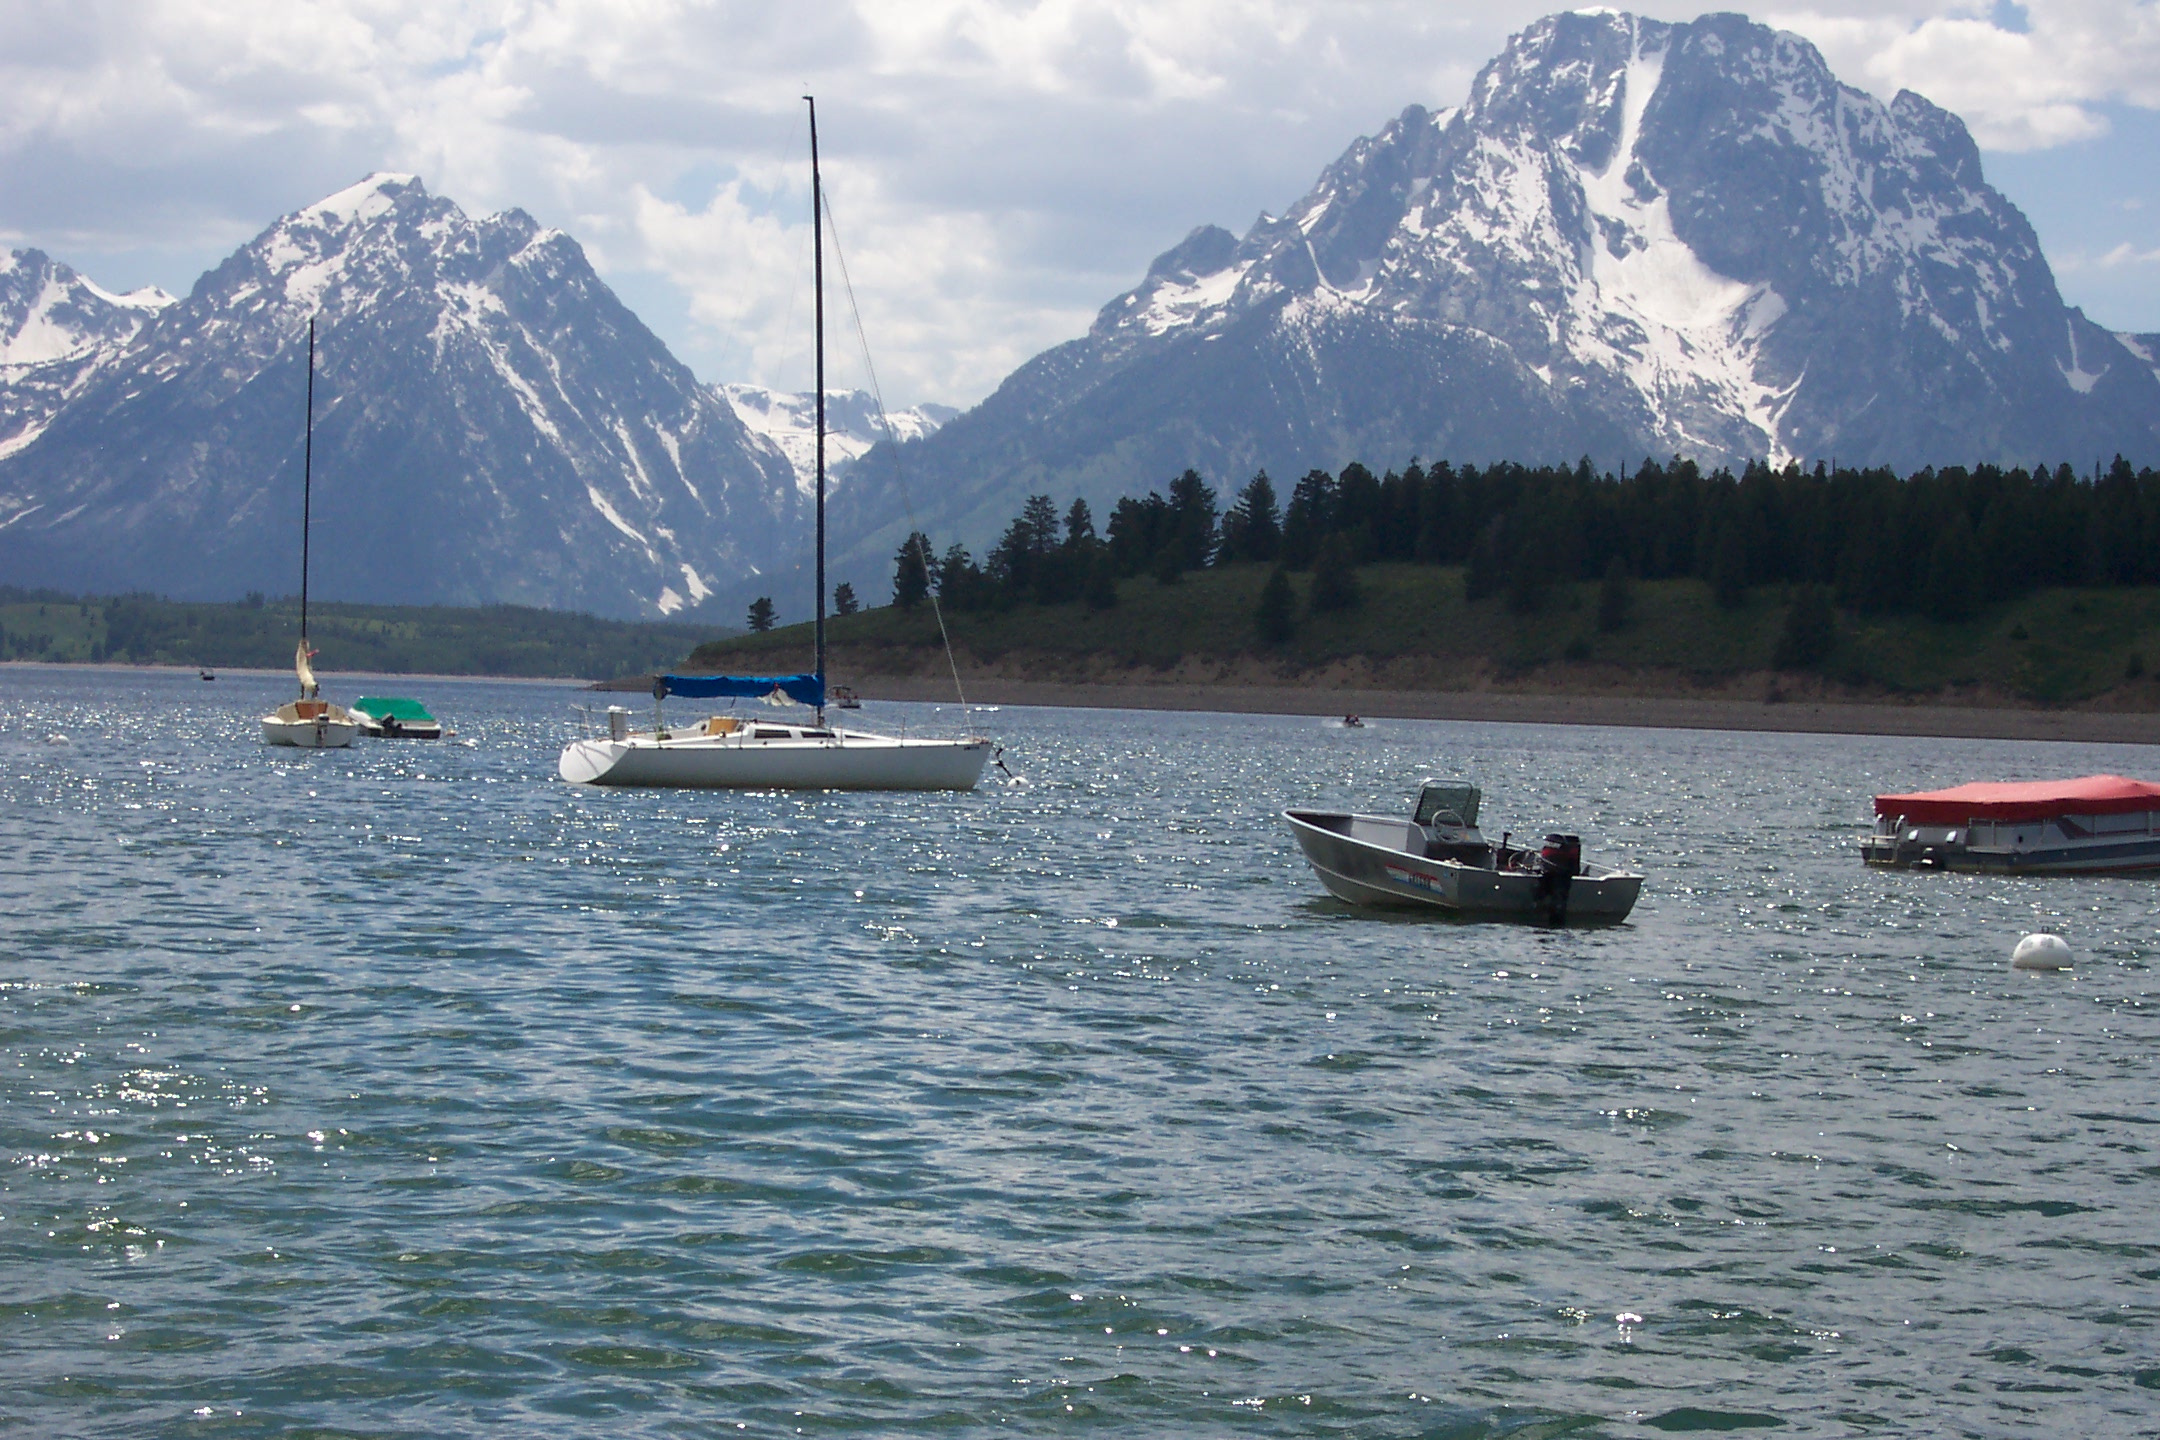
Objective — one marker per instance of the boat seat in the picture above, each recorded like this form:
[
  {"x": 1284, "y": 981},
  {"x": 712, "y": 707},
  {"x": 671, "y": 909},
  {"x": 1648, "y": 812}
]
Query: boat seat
[
  {"x": 719, "y": 725},
  {"x": 311, "y": 709}
]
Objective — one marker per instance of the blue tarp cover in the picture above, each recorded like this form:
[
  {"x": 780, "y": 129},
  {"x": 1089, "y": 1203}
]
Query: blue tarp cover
[{"x": 803, "y": 689}]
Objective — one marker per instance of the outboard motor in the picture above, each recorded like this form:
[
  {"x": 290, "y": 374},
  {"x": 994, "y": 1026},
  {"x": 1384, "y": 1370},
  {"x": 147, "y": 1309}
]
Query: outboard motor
[{"x": 1559, "y": 862}]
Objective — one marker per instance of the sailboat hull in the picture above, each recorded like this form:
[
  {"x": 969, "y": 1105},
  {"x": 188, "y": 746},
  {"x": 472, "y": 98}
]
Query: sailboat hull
[
  {"x": 853, "y": 761},
  {"x": 310, "y": 725}
]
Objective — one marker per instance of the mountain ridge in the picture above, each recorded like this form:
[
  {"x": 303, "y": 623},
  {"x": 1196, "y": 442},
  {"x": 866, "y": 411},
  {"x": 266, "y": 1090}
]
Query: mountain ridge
[
  {"x": 1633, "y": 237},
  {"x": 492, "y": 424}
]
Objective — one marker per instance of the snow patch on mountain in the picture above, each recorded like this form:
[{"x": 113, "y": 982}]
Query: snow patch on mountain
[
  {"x": 1648, "y": 307},
  {"x": 787, "y": 421},
  {"x": 2145, "y": 347},
  {"x": 48, "y": 312},
  {"x": 1171, "y": 304},
  {"x": 2075, "y": 374}
]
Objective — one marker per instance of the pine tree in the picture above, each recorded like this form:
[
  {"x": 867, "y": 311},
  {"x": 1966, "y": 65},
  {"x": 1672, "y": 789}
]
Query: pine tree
[
  {"x": 1306, "y": 518},
  {"x": 1334, "y": 585},
  {"x": 1615, "y": 598},
  {"x": 1953, "y": 573},
  {"x": 911, "y": 571},
  {"x": 1809, "y": 633},
  {"x": 1079, "y": 525},
  {"x": 1101, "y": 589},
  {"x": 761, "y": 614},
  {"x": 1192, "y": 520},
  {"x": 1252, "y": 530},
  {"x": 843, "y": 599},
  {"x": 1276, "y": 615},
  {"x": 1728, "y": 564}
]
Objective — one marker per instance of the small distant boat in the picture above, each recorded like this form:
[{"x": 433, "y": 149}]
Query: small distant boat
[
  {"x": 207, "y": 674},
  {"x": 2094, "y": 824},
  {"x": 1438, "y": 859},
  {"x": 1352, "y": 722},
  {"x": 841, "y": 697},
  {"x": 309, "y": 722},
  {"x": 393, "y": 717}
]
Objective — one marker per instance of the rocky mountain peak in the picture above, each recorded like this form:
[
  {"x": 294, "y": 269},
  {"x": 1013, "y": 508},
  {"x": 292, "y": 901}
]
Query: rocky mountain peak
[
  {"x": 1631, "y": 237},
  {"x": 491, "y": 424},
  {"x": 50, "y": 313},
  {"x": 1671, "y": 221}
]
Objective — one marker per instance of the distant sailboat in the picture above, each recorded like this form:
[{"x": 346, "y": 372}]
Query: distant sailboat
[
  {"x": 309, "y": 722},
  {"x": 722, "y": 752}
]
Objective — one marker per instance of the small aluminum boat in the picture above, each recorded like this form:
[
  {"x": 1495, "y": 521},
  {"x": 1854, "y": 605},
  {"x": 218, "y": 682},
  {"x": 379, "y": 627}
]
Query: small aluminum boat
[{"x": 1438, "y": 859}]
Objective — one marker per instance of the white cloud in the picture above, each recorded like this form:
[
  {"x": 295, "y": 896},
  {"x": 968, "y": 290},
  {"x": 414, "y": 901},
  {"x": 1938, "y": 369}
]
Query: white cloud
[
  {"x": 1001, "y": 167},
  {"x": 2117, "y": 258}
]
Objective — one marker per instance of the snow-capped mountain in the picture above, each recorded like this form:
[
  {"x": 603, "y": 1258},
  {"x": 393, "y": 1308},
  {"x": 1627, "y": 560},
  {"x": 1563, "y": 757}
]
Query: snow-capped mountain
[
  {"x": 852, "y": 426},
  {"x": 1633, "y": 238},
  {"x": 491, "y": 424},
  {"x": 55, "y": 329}
]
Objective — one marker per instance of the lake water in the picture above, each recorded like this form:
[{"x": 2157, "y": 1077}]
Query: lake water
[{"x": 408, "y": 1091}]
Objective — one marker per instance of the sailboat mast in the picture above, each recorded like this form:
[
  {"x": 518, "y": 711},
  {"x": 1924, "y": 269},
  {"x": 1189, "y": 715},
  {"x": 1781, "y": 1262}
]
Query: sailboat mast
[
  {"x": 817, "y": 290},
  {"x": 307, "y": 476}
]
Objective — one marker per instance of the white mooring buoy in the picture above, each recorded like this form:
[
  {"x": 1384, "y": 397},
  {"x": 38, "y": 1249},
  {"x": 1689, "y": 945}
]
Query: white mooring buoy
[{"x": 2040, "y": 952}]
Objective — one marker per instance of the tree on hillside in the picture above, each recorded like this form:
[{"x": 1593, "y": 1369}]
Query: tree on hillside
[
  {"x": 1357, "y": 510},
  {"x": 1729, "y": 562},
  {"x": 1276, "y": 615},
  {"x": 1192, "y": 520},
  {"x": 1616, "y": 597},
  {"x": 911, "y": 571},
  {"x": 1307, "y": 517},
  {"x": 1016, "y": 562},
  {"x": 761, "y": 614},
  {"x": 843, "y": 599},
  {"x": 1953, "y": 573},
  {"x": 1079, "y": 525},
  {"x": 1334, "y": 583},
  {"x": 1809, "y": 633},
  {"x": 1138, "y": 529},
  {"x": 1099, "y": 588},
  {"x": 1252, "y": 528},
  {"x": 1488, "y": 565}
]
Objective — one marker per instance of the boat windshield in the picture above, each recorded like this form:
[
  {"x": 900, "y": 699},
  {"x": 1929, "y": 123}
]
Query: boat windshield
[{"x": 1447, "y": 803}]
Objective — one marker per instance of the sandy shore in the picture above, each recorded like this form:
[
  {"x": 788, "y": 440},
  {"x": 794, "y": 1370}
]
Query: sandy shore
[{"x": 1662, "y": 712}]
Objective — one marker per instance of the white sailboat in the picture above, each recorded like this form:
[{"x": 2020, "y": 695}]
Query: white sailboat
[
  {"x": 723, "y": 752},
  {"x": 309, "y": 722}
]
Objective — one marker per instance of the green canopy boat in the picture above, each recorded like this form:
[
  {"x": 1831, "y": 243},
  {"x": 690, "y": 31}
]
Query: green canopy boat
[{"x": 393, "y": 717}]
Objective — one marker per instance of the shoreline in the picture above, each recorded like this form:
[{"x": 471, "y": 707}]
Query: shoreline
[
  {"x": 1817, "y": 717},
  {"x": 1919, "y": 719},
  {"x": 221, "y": 671}
]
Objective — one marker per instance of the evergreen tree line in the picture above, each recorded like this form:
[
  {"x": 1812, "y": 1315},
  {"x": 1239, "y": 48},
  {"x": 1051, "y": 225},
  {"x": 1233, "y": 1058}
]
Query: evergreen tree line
[{"x": 1935, "y": 542}]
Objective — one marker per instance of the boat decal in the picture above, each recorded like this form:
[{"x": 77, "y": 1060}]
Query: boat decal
[{"x": 1415, "y": 877}]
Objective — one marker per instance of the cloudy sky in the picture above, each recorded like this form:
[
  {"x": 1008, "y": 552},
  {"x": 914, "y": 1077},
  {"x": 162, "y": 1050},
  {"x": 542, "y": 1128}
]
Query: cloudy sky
[{"x": 998, "y": 168}]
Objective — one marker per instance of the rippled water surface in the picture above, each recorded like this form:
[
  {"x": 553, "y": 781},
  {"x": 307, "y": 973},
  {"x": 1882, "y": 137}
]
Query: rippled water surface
[{"x": 409, "y": 1091}]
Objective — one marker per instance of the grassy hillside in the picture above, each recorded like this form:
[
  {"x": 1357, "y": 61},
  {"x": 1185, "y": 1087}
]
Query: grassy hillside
[
  {"x": 492, "y": 640},
  {"x": 1413, "y": 629}
]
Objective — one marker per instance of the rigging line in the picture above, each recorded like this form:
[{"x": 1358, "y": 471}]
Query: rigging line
[{"x": 877, "y": 398}]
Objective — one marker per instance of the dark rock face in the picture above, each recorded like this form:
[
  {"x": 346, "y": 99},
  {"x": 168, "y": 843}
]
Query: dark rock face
[
  {"x": 1633, "y": 238},
  {"x": 491, "y": 425}
]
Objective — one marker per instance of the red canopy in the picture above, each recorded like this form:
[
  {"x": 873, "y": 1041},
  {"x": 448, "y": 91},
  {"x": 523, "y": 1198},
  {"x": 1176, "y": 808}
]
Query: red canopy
[{"x": 2023, "y": 800}]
